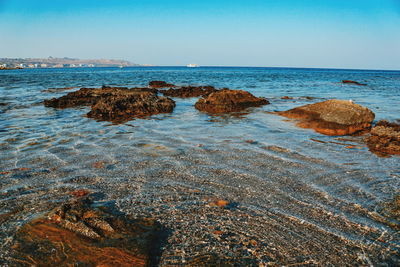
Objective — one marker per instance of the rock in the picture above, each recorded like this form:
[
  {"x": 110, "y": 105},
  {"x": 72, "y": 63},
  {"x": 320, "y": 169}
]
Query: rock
[
  {"x": 332, "y": 117},
  {"x": 221, "y": 203},
  {"x": 189, "y": 91},
  {"x": 80, "y": 193},
  {"x": 85, "y": 97},
  {"x": 76, "y": 233},
  {"x": 54, "y": 90},
  {"x": 99, "y": 164},
  {"x": 121, "y": 108},
  {"x": 354, "y": 82},
  {"x": 384, "y": 138},
  {"x": 286, "y": 97},
  {"x": 160, "y": 84},
  {"x": 117, "y": 104},
  {"x": 152, "y": 90},
  {"x": 89, "y": 96},
  {"x": 227, "y": 100}
]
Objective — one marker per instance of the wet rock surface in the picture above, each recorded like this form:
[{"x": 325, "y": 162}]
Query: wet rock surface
[
  {"x": 227, "y": 100},
  {"x": 137, "y": 105},
  {"x": 116, "y": 104},
  {"x": 85, "y": 96},
  {"x": 189, "y": 91},
  {"x": 160, "y": 84},
  {"x": 332, "y": 117},
  {"x": 58, "y": 89},
  {"x": 78, "y": 233},
  {"x": 384, "y": 138},
  {"x": 353, "y": 82}
]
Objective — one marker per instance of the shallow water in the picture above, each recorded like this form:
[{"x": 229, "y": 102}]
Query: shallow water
[{"x": 289, "y": 188}]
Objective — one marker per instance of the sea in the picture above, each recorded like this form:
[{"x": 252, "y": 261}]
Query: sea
[{"x": 330, "y": 194}]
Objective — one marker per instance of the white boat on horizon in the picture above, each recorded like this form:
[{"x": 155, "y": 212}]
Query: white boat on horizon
[{"x": 192, "y": 66}]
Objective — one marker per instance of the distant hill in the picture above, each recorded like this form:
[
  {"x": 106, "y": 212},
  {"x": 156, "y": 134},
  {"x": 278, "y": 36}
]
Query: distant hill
[{"x": 52, "y": 62}]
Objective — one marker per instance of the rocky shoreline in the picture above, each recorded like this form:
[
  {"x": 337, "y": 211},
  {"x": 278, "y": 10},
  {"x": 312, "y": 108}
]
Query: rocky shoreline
[
  {"x": 189, "y": 211},
  {"x": 332, "y": 117}
]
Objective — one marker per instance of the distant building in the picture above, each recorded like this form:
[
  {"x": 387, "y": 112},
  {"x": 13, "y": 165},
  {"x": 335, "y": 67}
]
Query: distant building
[
  {"x": 43, "y": 65},
  {"x": 31, "y": 65}
]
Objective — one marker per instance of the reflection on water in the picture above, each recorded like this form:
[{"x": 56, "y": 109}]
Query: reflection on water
[{"x": 276, "y": 172}]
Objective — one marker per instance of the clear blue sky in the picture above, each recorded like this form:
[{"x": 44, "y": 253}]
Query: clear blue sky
[{"x": 298, "y": 33}]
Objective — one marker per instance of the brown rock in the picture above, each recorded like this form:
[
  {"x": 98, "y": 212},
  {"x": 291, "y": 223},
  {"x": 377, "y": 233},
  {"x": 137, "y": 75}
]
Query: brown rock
[
  {"x": 354, "y": 82},
  {"x": 84, "y": 97},
  {"x": 221, "y": 203},
  {"x": 384, "y": 138},
  {"x": 332, "y": 117},
  {"x": 80, "y": 193},
  {"x": 121, "y": 108},
  {"x": 99, "y": 164},
  {"x": 117, "y": 104},
  {"x": 189, "y": 91},
  {"x": 77, "y": 233},
  {"x": 160, "y": 84},
  {"x": 54, "y": 90},
  {"x": 226, "y": 100},
  {"x": 152, "y": 90},
  {"x": 90, "y": 96},
  {"x": 286, "y": 97}
]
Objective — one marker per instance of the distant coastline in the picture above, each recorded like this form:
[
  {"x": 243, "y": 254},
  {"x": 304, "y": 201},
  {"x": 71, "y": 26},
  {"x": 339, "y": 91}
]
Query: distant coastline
[
  {"x": 52, "y": 62},
  {"x": 55, "y": 63}
]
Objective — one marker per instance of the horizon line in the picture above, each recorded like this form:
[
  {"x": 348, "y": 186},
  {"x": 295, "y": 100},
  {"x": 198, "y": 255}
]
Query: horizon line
[
  {"x": 281, "y": 67},
  {"x": 220, "y": 66}
]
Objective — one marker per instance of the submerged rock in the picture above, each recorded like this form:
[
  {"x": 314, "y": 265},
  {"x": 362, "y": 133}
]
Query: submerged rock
[
  {"x": 226, "y": 100},
  {"x": 189, "y": 91},
  {"x": 55, "y": 90},
  {"x": 160, "y": 84},
  {"x": 354, "y": 82},
  {"x": 332, "y": 117},
  {"x": 79, "y": 234},
  {"x": 134, "y": 105},
  {"x": 384, "y": 138}
]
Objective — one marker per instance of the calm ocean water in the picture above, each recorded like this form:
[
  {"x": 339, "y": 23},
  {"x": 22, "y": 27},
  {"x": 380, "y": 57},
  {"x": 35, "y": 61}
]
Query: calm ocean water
[{"x": 46, "y": 152}]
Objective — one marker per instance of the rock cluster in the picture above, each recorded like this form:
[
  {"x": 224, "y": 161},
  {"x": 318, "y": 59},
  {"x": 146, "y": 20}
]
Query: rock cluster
[
  {"x": 354, "y": 82},
  {"x": 332, "y": 117},
  {"x": 160, "y": 84},
  {"x": 121, "y": 108},
  {"x": 189, "y": 91},
  {"x": 384, "y": 138},
  {"x": 77, "y": 233},
  {"x": 227, "y": 100},
  {"x": 116, "y": 104}
]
